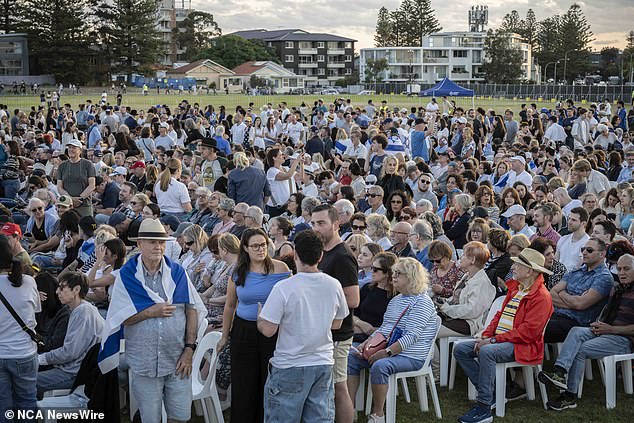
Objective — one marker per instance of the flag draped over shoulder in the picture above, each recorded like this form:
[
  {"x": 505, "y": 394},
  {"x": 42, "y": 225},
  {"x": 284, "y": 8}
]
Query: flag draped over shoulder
[{"x": 130, "y": 296}]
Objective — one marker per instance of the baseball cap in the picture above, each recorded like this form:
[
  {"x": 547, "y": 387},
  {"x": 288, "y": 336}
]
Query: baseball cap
[
  {"x": 519, "y": 159},
  {"x": 462, "y": 120},
  {"x": 9, "y": 229},
  {"x": 74, "y": 143},
  {"x": 388, "y": 120},
  {"x": 370, "y": 180},
  {"x": 90, "y": 117},
  {"x": 119, "y": 170},
  {"x": 65, "y": 201},
  {"x": 171, "y": 221},
  {"x": 513, "y": 210},
  {"x": 164, "y": 125},
  {"x": 137, "y": 165},
  {"x": 116, "y": 218},
  {"x": 314, "y": 129}
]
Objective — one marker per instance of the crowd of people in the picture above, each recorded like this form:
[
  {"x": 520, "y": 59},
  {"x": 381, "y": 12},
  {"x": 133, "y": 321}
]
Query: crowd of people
[{"x": 321, "y": 241}]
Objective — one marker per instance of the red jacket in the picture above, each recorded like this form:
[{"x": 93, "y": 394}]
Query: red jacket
[{"x": 530, "y": 320}]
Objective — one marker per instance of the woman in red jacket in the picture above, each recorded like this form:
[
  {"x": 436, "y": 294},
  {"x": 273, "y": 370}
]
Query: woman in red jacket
[{"x": 514, "y": 334}]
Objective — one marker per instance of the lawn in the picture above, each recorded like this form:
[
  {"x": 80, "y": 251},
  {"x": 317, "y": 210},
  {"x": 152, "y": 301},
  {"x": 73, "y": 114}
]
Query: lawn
[
  {"x": 591, "y": 408},
  {"x": 137, "y": 101}
]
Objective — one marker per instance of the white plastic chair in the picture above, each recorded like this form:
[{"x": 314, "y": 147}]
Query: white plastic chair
[
  {"x": 530, "y": 373},
  {"x": 204, "y": 390},
  {"x": 444, "y": 349},
  {"x": 423, "y": 376},
  {"x": 607, "y": 366}
]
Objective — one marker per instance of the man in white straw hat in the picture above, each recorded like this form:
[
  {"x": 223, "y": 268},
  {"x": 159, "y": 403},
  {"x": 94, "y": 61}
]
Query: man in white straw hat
[
  {"x": 161, "y": 311},
  {"x": 514, "y": 334}
]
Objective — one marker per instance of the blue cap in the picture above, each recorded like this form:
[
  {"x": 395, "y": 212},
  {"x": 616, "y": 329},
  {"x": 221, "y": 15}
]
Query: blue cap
[
  {"x": 90, "y": 117},
  {"x": 388, "y": 120},
  {"x": 314, "y": 129},
  {"x": 116, "y": 218},
  {"x": 171, "y": 221}
]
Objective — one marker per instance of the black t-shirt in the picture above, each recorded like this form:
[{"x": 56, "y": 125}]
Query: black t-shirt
[
  {"x": 341, "y": 264},
  {"x": 374, "y": 301}
]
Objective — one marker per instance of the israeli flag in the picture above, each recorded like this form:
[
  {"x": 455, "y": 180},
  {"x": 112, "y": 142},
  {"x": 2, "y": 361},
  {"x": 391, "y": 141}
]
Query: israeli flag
[
  {"x": 342, "y": 145},
  {"x": 395, "y": 145},
  {"x": 130, "y": 296},
  {"x": 499, "y": 187}
]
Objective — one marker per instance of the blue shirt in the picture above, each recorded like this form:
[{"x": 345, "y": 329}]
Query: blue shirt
[
  {"x": 579, "y": 281},
  {"x": 419, "y": 145},
  {"x": 94, "y": 136},
  {"x": 223, "y": 145},
  {"x": 423, "y": 257},
  {"x": 256, "y": 289},
  {"x": 248, "y": 185}
]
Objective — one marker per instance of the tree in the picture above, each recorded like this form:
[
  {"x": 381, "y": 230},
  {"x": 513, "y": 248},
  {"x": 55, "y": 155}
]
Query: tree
[
  {"x": 130, "y": 39},
  {"x": 575, "y": 35},
  {"x": 383, "y": 35},
  {"x": 548, "y": 43},
  {"x": 57, "y": 36},
  {"x": 512, "y": 23},
  {"x": 610, "y": 62},
  {"x": 407, "y": 27},
  {"x": 422, "y": 21},
  {"x": 195, "y": 32},
  {"x": 530, "y": 28},
  {"x": 503, "y": 62},
  {"x": 374, "y": 70},
  {"x": 397, "y": 19},
  {"x": 257, "y": 82},
  {"x": 9, "y": 15},
  {"x": 232, "y": 50}
]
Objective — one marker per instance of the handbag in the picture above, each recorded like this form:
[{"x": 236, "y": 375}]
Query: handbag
[
  {"x": 35, "y": 337},
  {"x": 378, "y": 342}
]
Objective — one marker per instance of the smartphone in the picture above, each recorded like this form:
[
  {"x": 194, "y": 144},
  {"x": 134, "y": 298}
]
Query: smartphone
[{"x": 28, "y": 235}]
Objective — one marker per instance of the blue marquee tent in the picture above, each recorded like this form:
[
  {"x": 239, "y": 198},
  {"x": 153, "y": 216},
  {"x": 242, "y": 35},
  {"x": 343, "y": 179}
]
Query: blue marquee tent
[{"x": 448, "y": 88}]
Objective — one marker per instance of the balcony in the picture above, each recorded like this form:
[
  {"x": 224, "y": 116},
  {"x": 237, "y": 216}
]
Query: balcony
[
  {"x": 444, "y": 59},
  {"x": 307, "y": 65},
  {"x": 460, "y": 75},
  {"x": 339, "y": 65},
  {"x": 336, "y": 51},
  {"x": 307, "y": 51}
]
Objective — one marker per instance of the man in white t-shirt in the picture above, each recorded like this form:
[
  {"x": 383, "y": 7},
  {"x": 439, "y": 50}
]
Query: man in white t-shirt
[
  {"x": 569, "y": 246},
  {"x": 300, "y": 359},
  {"x": 518, "y": 172},
  {"x": 238, "y": 129},
  {"x": 295, "y": 130}
]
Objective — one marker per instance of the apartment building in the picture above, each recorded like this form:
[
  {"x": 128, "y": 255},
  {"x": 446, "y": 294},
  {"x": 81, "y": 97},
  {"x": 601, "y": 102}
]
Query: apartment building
[
  {"x": 170, "y": 13},
  {"x": 321, "y": 59}
]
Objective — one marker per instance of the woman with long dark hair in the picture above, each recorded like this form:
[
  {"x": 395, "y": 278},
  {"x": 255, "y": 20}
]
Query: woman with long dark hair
[
  {"x": 18, "y": 352},
  {"x": 396, "y": 201},
  {"x": 253, "y": 279}
]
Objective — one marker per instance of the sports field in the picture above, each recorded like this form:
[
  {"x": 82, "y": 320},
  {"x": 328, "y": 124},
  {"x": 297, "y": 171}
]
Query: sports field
[{"x": 137, "y": 101}]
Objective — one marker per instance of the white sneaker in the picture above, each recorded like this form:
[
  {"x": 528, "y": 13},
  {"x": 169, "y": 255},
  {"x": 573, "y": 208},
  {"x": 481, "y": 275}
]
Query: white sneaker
[{"x": 373, "y": 418}]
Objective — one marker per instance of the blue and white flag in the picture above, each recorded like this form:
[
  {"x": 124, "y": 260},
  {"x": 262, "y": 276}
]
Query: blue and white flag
[
  {"x": 394, "y": 146},
  {"x": 501, "y": 184},
  {"x": 342, "y": 145},
  {"x": 130, "y": 296}
]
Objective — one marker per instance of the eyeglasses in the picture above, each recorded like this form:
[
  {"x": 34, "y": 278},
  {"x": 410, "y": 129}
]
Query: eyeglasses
[
  {"x": 190, "y": 243},
  {"x": 436, "y": 261},
  {"x": 413, "y": 234},
  {"x": 358, "y": 228},
  {"x": 424, "y": 181},
  {"x": 37, "y": 209},
  {"x": 257, "y": 247},
  {"x": 378, "y": 269},
  {"x": 404, "y": 217},
  {"x": 396, "y": 202},
  {"x": 373, "y": 195},
  {"x": 590, "y": 250}
]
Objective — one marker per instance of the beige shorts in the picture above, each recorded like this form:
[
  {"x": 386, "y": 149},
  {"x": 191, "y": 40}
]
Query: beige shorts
[{"x": 340, "y": 369}]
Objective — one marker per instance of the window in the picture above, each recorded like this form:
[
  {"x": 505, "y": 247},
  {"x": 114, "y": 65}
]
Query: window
[
  {"x": 348, "y": 44},
  {"x": 289, "y": 58},
  {"x": 305, "y": 59},
  {"x": 321, "y": 44},
  {"x": 321, "y": 71},
  {"x": 348, "y": 71},
  {"x": 305, "y": 45},
  {"x": 289, "y": 44},
  {"x": 333, "y": 45},
  {"x": 321, "y": 58},
  {"x": 460, "y": 53},
  {"x": 348, "y": 58}
]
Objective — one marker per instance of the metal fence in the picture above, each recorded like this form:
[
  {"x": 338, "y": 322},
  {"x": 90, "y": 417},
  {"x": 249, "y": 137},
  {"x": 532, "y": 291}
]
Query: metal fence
[{"x": 537, "y": 93}]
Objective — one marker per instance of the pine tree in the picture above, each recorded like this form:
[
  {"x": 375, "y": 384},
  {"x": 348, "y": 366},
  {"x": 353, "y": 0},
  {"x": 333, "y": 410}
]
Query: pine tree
[
  {"x": 575, "y": 35},
  {"x": 548, "y": 43},
  {"x": 502, "y": 63},
  {"x": 512, "y": 23},
  {"x": 196, "y": 32},
  {"x": 396, "y": 20},
  {"x": 408, "y": 30},
  {"x": 383, "y": 35},
  {"x": 530, "y": 29},
  {"x": 129, "y": 35},
  {"x": 423, "y": 20}
]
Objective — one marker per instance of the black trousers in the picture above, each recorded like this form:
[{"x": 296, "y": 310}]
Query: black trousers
[
  {"x": 558, "y": 328},
  {"x": 250, "y": 355}
]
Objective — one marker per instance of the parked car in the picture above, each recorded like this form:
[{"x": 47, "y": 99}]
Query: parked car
[
  {"x": 329, "y": 91},
  {"x": 366, "y": 92}
]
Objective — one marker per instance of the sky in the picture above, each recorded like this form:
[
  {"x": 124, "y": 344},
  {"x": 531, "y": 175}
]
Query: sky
[{"x": 610, "y": 20}]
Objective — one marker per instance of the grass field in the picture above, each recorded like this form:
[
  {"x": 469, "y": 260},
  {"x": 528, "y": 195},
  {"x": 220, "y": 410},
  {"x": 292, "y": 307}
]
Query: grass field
[
  {"x": 590, "y": 409},
  {"x": 138, "y": 101}
]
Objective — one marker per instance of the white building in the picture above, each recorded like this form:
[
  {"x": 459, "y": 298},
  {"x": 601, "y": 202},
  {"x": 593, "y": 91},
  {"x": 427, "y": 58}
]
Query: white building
[
  {"x": 458, "y": 56},
  {"x": 170, "y": 13},
  {"x": 278, "y": 78}
]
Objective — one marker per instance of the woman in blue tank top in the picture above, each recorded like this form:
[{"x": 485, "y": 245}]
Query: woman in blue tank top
[{"x": 255, "y": 275}]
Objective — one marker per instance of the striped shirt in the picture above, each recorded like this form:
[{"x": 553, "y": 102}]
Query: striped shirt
[
  {"x": 505, "y": 324},
  {"x": 418, "y": 324}
]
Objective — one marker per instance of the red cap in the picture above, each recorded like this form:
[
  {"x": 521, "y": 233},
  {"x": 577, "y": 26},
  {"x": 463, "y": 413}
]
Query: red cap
[
  {"x": 137, "y": 164},
  {"x": 11, "y": 229}
]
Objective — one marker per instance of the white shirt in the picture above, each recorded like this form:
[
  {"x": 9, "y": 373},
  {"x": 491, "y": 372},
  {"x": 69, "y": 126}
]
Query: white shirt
[
  {"x": 291, "y": 305},
  {"x": 280, "y": 190},
  {"x": 526, "y": 230},
  {"x": 295, "y": 131},
  {"x": 570, "y": 252},
  {"x": 573, "y": 203},
  {"x": 172, "y": 200},
  {"x": 358, "y": 152},
  {"x": 15, "y": 343},
  {"x": 555, "y": 132},
  {"x": 237, "y": 133},
  {"x": 524, "y": 177}
]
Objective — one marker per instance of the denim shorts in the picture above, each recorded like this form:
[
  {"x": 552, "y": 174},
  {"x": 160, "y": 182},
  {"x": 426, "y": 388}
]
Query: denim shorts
[{"x": 152, "y": 392}]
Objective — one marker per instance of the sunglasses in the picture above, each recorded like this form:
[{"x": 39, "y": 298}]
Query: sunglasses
[
  {"x": 396, "y": 202},
  {"x": 423, "y": 181},
  {"x": 36, "y": 209},
  {"x": 404, "y": 217},
  {"x": 435, "y": 261},
  {"x": 134, "y": 203},
  {"x": 190, "y": 243},
  {"x": 587, "y": 249},
  {"x": 373, "y": 195},
  {"x": 358, "y": 228},
  {"x": 378, "y": 269}
]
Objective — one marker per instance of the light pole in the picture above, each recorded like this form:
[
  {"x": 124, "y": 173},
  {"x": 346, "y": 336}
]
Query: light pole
[
  {"x": 555, "y": 76},
  {"x": 410, "y": 53},
  {"x": 566, "y": 61},
  {"x": 546, "y": 69}
]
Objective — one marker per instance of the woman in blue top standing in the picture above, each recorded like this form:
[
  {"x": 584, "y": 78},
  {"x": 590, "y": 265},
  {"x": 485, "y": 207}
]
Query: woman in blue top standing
[{"x": 253, "y": 279}]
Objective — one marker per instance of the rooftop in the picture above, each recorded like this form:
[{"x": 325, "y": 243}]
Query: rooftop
[{"x": 288, "y": 35}]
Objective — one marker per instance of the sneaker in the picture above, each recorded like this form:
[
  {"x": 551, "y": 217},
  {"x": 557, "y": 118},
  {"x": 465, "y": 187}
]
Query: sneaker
[
  {"x": 554, "y": 379},
  {"x": 477, "y": 414},
  {"x": 563, "y": 402},
  {"x": 373, "y": 418},
  {"x": 515, "y": 392}
]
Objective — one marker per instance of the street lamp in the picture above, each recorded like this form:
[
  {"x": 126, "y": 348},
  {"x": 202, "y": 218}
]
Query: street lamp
[
  {"x": 546, "y": 69},
  {"x": 555, "y": 76},
  {"x": 410, "y": 53},
  {"x": 566, "y": 61}
]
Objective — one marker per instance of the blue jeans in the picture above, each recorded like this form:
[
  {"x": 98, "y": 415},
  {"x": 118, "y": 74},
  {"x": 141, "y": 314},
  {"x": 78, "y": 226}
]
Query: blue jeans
[
  {"x": 382, "y": 369},
  {"x": 54, "y": 379},
  {"x": 46, "y": 261},
  {"x": 580, "y": 344},
  {"x": 152, "y": 392},
  {"x": 481, "y": 372},
  {"x": 11, "y": 187},
  {"x": 18, "y": 377},
  {"x": 296, "y": 394}
]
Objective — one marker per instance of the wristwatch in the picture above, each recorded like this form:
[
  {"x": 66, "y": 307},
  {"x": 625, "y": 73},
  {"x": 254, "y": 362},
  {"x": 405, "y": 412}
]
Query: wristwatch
[
  {"x": 192, "y": 346},
  {"x": 493, "y": 340},
  {"x": 389, "y": 352}
]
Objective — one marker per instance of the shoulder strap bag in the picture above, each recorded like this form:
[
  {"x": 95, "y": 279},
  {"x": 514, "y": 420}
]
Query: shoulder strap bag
[{"x": 37, "y": 338}]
